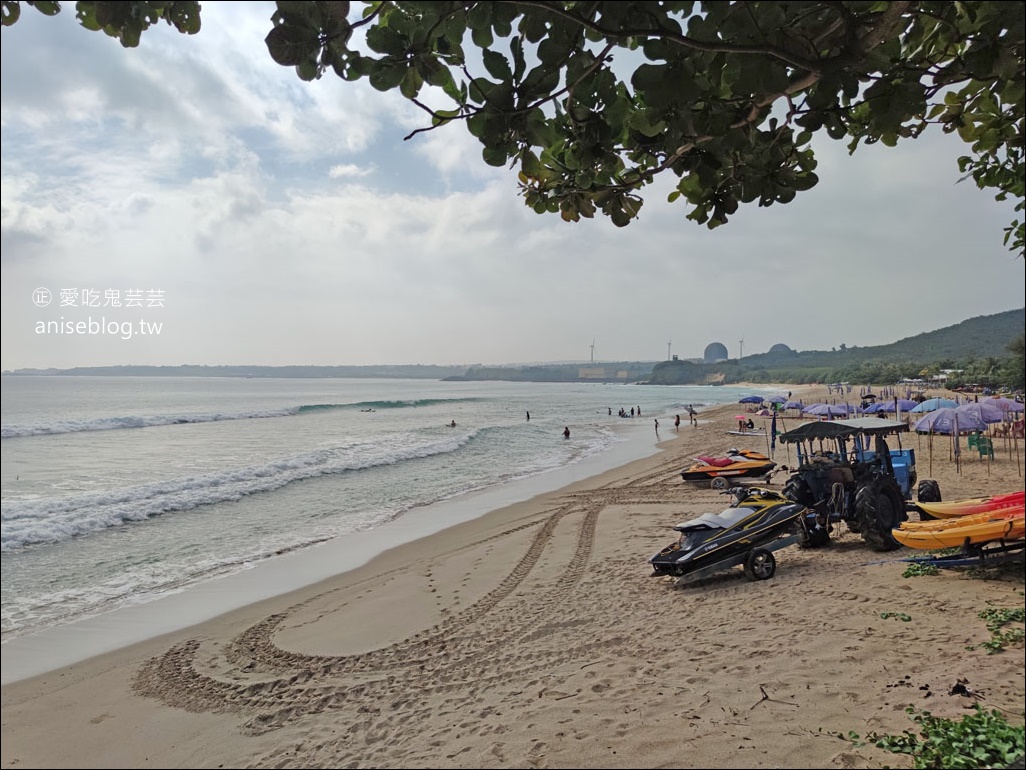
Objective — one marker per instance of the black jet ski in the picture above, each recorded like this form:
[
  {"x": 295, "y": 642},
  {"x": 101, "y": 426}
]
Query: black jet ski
[{"x": 758, "y": 522}]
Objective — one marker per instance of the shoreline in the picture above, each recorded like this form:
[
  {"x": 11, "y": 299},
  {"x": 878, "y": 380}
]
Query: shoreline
[
  {"x": 534, "y": 635},
  {"x": 40, "y": 652}
]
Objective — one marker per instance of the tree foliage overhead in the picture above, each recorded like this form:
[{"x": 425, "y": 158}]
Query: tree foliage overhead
[{"x": 592, "y": 101}]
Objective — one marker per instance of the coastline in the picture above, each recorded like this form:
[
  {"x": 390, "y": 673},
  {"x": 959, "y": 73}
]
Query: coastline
[
  {"x": 534, "y": 636},
  {"x": 49, "y": 649}
]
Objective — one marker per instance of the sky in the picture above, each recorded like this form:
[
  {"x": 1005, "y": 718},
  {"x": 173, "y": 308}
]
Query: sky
[{"x": 241, "y": 216}]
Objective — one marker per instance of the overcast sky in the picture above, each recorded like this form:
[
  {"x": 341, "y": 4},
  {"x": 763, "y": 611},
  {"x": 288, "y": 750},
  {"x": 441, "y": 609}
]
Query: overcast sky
[{"x": 242, "y": 216}]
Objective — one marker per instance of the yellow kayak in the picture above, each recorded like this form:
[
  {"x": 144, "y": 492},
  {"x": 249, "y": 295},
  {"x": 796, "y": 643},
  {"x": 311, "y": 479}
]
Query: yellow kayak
[
  {"x": 970, "y": 505},
  {"x": 963, "y": 521},
  {"x": 959, "y": 535}
]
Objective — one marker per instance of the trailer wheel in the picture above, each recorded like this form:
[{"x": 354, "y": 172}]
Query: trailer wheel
[
  {"x": 719, "y": 482},
  {"x": 760, "y": 564}
]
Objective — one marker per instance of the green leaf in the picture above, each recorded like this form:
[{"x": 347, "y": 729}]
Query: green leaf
[
  {"x": 289, "y": 45},
  {"x": 496, "y": 65}
]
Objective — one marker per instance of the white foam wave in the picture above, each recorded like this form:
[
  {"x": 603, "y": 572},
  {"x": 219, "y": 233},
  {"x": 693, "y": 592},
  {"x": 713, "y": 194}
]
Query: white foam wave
[
  {"x": 119, "y": 423},
  {"x": 52, "y": 520}
]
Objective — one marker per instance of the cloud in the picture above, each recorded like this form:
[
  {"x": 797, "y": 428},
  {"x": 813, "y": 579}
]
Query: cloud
[{"x": 292, "y": 223}]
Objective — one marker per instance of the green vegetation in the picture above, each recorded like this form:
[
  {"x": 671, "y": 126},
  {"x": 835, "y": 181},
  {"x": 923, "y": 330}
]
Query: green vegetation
[
  {"x": 1000, "y": 637},
  {"x": 904, "y": 617},
  {"x": 591, "y": 102},
  {"x": 985, "y": 351},
  {"x": 918, "y": 570},
  {"x": 978, "y": 740}
]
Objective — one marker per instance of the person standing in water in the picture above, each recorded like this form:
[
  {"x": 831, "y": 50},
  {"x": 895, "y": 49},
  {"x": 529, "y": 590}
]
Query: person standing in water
[
  {"x": 566, "y": 431},
  {"x": 528, "y": 416}
]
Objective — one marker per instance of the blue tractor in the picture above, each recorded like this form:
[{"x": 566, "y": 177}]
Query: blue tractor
[{"x": 847, "y": 471}]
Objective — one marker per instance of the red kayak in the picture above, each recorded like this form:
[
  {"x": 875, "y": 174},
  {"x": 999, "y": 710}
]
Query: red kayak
[{"x": 971, "y": 505}]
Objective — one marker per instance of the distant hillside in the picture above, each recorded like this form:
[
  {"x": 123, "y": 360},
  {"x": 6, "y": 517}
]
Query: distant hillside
[
  {"x": 976, "y": 339},
  {"x": 980, "y": 337}
]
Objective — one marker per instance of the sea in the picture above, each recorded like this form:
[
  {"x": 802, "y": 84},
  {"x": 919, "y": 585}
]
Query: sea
[{"x": 132, "y": 506}]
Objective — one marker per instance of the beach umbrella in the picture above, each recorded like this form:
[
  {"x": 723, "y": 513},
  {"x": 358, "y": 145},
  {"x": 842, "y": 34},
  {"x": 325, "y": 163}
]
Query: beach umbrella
[
  {"x": 900, "y": 404},
  {"x": 751, "y": 400},
  {"x": 949, "y": 421},
  {"x": 777, "y": 399},
  {"x": 793, "y": 405},
  {"x": 931, "y": 404},
  {"x": 1005, "y": 404},
  {"x": 988, "y": 413},
  {"x": 828, "y": 410}
]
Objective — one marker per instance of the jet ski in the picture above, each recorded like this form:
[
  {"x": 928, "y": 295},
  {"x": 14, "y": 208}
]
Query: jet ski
[
  {"x": 737, "y": 463},
  {"x": 757, "y": 522}
]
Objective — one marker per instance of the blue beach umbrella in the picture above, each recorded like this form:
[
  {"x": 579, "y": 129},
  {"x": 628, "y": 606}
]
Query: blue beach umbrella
[
  {"x": 986, "y": 412},
  {"x": 751, "y": 400},
  {"x": 931, "y": 404},
  {"x": 948, "y": 421},
  {"x": 1005, "y": 404},
  {"x": 901, "y": 404},
  {"x": 828, "y": 410}
]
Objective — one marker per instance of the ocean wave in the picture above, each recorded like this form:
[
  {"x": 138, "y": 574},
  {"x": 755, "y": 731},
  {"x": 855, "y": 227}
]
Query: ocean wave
[
  {"x": 150, "y": 421},
  {"x": 33, "y": 522}
]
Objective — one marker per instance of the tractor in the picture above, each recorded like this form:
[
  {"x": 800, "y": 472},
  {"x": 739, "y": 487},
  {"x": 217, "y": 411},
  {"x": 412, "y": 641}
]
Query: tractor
[{"x": 847, "y": 472}]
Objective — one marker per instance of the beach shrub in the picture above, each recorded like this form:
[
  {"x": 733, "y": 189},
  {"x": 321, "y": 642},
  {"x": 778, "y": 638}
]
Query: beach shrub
[
  {"x": 1000, "y": 636},
  {"x": 981, "y": 739},
  {"x": 916, "y": 570}
]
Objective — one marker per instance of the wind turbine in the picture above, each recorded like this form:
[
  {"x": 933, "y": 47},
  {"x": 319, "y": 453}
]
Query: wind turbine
[{"x": 742, "y": 353}]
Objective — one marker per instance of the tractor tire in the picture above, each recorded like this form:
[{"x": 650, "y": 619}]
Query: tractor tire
[
  {"x": 760, "y": 564},
  {"x": 879, "y": 508},
  {"x": 928, "y": 492},
  {"x": 796, "y": 489}
]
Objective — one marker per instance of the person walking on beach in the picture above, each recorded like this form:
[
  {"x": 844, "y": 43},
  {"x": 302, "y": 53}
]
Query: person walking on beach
[
  {"x": 566, "y": 432},
  {"x": 676, "y": 423},
  {"x": 657, "y": 426},
  {"x": 693, "y": 415}
]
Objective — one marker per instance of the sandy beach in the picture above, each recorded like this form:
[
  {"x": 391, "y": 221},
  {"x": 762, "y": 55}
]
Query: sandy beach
[{"x": 536, "y": 636}]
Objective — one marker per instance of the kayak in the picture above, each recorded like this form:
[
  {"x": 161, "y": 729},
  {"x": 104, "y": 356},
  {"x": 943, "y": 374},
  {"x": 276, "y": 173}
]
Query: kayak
[
  {"x": 961, "y": 535},
  {"x": 964, "y": 521},
  {"x": 951, "y": 508}
]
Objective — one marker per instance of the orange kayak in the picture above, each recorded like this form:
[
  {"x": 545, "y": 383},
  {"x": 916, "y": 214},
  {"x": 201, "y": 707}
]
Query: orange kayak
[
  {"x": 970, "y": 505},
  {"x": 958, "y": 534},
  {"x": 963, "y": 521}
]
